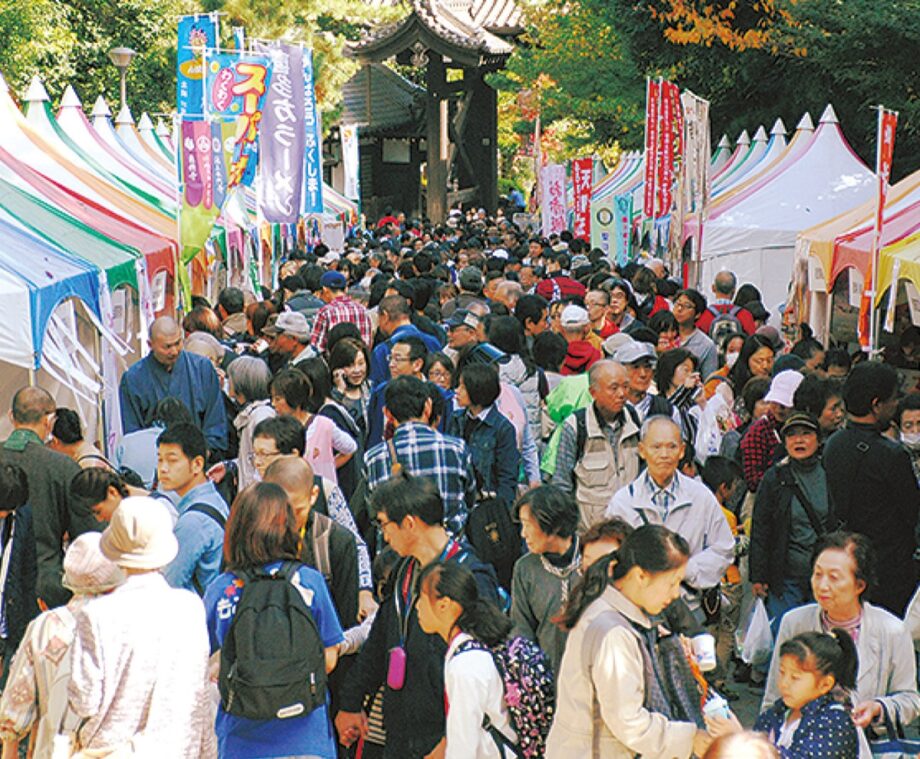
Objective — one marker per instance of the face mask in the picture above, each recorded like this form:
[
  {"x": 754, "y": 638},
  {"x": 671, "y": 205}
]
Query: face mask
[
  {"x": 731, "y": 358},
  {"x": 911, "y": 440}
]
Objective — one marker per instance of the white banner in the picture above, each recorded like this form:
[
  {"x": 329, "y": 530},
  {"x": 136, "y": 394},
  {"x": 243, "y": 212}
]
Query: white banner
[
  {"x": 351, "y": 161},
  {"x": 552, "y": 198}
]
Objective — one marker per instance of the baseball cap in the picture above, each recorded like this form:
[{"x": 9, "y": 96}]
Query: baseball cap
[
  {"x": 463, "y": 318},
  {"x": 800, "y": 419},
  {"x": 634, "y": 352},
  {"x": 334, "y": 280},
  {"x": 783, "y": 387},
  {"x": 573, "y": 316},
  {"x": 291, "y": 323},
  {"x": 613, "y": 343}
]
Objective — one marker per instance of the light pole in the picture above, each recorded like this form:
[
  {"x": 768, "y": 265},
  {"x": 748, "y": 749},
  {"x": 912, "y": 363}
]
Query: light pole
[{"x": 121, "y": 57}]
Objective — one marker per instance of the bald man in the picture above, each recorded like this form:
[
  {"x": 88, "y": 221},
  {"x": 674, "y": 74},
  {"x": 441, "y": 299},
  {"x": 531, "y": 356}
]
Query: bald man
[
  {"x": 723, "y": 290},
  {"x": 662, "y": 495},
  {"x": 325, "y": 545},
  {"x": 170, "y": 371},
  {"x": 49, "y": 474}
]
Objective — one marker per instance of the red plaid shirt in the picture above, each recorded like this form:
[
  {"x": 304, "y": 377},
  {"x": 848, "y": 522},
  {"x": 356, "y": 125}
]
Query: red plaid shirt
[
  {"x": 341, "y": 309},
  {"x": 758, "y": 450}
]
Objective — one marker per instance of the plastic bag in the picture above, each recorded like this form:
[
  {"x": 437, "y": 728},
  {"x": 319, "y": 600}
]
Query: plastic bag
[
  {"x": 757, "y": 644},
  {"x": 714, "y": 421}
]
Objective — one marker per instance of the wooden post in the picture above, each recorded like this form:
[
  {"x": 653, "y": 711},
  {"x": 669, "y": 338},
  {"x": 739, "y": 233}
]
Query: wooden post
[{"x": 435, "y": 139}]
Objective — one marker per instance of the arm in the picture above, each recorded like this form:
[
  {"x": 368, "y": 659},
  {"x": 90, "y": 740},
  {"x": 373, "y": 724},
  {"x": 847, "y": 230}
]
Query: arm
[
  {"x": 507, "y": 464},
  {"x": 85, "y": 689},
  {"x": 369, "y": 671},
  {"x": 705, "y": 569},
  {"x": 901, "y": 683},
  {"x": 380, "y": 368},
  {"x": 530, "y": 456},
  {"x": 761, "y": 531},
  {"x": 752, "y": 456},
  {"x": 17, "y": 714},
  {"x": 709, "y": 361},
  {"x": 132, "y": 418},
  {"x": 618, "y": 678},
  {"x": 566, "y": 458},
  {"x": 344, "y": 444}
]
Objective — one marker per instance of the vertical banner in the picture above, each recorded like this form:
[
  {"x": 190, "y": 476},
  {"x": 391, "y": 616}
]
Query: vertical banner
[
  {"x": 351, "y": 160},
  {"x": 198, "y": 211},
  {"x": 235, "y": 88},
  {"x": 313, "y": 157},
  {"x": 623, "y": 208},
  {"x": 582, "y": 185},
  {"x": 668, "y": 146},
  {"x": 196, "y": 33},
  {"x": 603, "y": 226},
  {"x": 652, "y": 97},
  {"x": 281, "y": 146},
  {"x": 552, "y": 198},
  {"x": 693, "y": 173},
  {"x": 887, "y": 123}
]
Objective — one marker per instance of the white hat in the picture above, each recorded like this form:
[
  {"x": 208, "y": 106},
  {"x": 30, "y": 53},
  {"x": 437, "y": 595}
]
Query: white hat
[
  {"x": 86, "y": 570},
  {"x": 140, "y": 535},
  {"x": 634, "y": 352},
  {"x": 574, "y": 316},
  {"x": 783, "y": 387},
  {"x": 616, "y": 341},
  {"x": 291, "y": 323}
]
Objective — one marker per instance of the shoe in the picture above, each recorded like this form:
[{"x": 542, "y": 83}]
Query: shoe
[{"x": 742, "y": 672}]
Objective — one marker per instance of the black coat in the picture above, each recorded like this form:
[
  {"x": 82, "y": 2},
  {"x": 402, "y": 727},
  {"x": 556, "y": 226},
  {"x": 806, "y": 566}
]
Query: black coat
[
  {"x": 771, "y": 524},
  {"x": 19, "y": 601},
  {"x": 872, "y": 485}
]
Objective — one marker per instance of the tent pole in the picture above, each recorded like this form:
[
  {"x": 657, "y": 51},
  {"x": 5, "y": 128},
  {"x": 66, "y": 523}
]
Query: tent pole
[{"x": 31, "y": 377}]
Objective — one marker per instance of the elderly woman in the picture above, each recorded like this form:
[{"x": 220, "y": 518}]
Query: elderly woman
[
  {"x": 37, "y": 685},
  {"x": 249, "y": 387},
  {"x": 843, "y": 570}
]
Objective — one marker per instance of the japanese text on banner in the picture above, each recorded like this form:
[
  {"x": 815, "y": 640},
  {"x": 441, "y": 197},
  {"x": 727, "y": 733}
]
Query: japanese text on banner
[
  {"x": 196, "y": 33},
  {"x": 582, "y": 185},
  {"x": 552, "y": 200},
  {"x": 313, "y": 159}
]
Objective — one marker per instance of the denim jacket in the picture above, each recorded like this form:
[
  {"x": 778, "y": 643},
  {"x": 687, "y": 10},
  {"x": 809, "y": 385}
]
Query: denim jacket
[{"x": 493, "y": 450}]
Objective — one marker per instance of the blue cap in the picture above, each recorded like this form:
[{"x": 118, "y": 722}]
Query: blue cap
[{"x": 334, "y": 280}]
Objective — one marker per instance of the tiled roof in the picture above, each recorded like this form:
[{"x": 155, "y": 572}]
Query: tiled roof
[{"x": 396, "y": 104}]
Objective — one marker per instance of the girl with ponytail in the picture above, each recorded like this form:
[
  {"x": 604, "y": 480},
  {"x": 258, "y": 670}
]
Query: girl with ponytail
[
  {"x": 812, "y": 719},
  {"x": 610, "y": 698},
  {"x": 449, "y": 605}
]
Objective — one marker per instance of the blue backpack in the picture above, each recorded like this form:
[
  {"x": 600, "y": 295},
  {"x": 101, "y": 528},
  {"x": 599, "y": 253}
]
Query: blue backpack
[{"x": 530, "y": 694}]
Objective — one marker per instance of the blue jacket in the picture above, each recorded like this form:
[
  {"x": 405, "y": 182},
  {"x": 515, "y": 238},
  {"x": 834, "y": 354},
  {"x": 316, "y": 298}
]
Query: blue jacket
[
  {"x": 201, "y": 540},
  {"x": 825, "y": 732},
  {"x": 493, "y": 450},
  {"x": 380, "y": 358}
]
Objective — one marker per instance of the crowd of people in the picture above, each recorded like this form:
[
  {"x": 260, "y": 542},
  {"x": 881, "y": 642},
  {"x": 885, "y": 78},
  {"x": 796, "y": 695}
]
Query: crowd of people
[{"x": 464, "y": 492}]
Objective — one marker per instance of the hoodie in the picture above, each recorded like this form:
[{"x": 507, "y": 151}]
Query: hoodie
[{"x": 581, "y": 357}]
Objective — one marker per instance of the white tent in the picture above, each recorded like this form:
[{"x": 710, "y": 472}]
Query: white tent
[{"x": 753, "y": 233}]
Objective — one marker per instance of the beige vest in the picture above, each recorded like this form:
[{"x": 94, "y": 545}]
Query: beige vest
[{"x": 602, "y": 469}]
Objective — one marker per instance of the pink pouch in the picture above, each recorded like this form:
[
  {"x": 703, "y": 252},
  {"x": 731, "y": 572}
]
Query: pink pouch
[{"x": 396, "y": 668}]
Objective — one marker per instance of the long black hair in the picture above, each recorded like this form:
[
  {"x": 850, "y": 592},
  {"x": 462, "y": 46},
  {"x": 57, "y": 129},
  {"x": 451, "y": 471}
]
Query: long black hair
[
  {"x": 833, "y": 654},
  {"x": 653, "y": 548},
  {"x": 480, "y": 617},
  {"x": 740, "y": 373}
]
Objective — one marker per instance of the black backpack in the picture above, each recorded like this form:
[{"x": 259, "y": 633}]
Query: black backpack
[{"x": 272, "y": 661}]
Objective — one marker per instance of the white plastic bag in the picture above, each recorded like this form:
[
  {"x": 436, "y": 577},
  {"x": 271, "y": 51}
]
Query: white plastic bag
[{"x": 757, "y": 644}]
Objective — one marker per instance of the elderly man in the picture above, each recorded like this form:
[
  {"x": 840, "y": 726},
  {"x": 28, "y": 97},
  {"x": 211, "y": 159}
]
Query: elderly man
[
  {"x": 599, "y": 445},
  {"x": 170, "y": 371},
  {"x": 289, "y": 333},
  {"x": 662, "y": 495},
  {"x": 576, "y": 329},
  {"x": 723, "y": 288}
]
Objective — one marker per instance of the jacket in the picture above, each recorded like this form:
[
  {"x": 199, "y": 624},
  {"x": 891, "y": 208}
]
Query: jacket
[
  {"x": 771, "y": 525},
  {"x": 887, "y": 670},
  {"x": 825, "y": 732},
  {"x": 872, "y": 486},
  {"x": 515, "y": 373},
  {"x": 581, "y": 356},
  {"x": 615, "y": 680},
  {"x": 493, "y": 451},
  {"x": 19, "y": 604}
]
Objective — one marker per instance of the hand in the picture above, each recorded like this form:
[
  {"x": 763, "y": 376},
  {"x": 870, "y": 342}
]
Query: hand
[
  {"x": 338, "y": 379},
  {"x": 701, "y": 742},
  {"x": 350, "y": 726},
  {"x": 719, "y": 726},
  {"x": 217, "y": 472},
  {"x": 366, "y": 605},
  {"x": 693, "y": 380},
  {"x": 866, "y": 713},
  {"x": 760, "y": 589},
  {"x": 438, "y": 751}
]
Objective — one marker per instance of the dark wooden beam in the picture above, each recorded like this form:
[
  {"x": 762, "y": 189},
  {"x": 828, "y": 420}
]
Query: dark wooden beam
[{"x": 436, "y": 139}]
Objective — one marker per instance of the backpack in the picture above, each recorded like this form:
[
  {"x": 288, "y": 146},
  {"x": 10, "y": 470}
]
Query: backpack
[
  {"x": 529, "y": 694},
  {"x": 322, "y": 558},
  {"x": 724, "y": 323},
  {"x": 272, "y": 661},
  {"x": 581, "y": 425}
]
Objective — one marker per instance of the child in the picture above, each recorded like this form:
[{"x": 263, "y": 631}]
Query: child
[{"x": 812, "y": 717}]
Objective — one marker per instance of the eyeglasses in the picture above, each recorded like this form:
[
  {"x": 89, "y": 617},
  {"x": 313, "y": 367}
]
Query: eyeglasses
[
  {"x": 438, "y": 374},
  {"x": 394, "y": 359},
  {"x": 682, "y": 304},
  {"x": 262, "y": 456}
]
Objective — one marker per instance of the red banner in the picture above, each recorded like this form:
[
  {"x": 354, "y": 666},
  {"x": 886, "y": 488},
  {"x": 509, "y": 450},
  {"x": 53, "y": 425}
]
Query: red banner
[
  {"x": 582, "y": 184},
  {"x": 652, "y": 106},
  {"x": 887, "y": 123},
  {"x": 665, "y": 160}
]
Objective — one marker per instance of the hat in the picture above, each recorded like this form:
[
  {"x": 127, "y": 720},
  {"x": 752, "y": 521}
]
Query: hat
[
  {"x": 140, "y": 535},
  {"x": 486, "y": 353},
  {"x": 772, "y": 334},
  {"x": 463, "y": 318},
  {"x": 800, "y": 419},
  {"x": 613, "y": 343},
  {"x": 471, "y": 279},
  {"x": 783, "y": 387},
  {"x": 500, "y": 253},
  {"x": 580, "y": 260},
  {"x": 634, "y": 352},
  {"x": 86, "y": 570},
  {"x": 291, "y": 323},
  {"x": 334, "y": 280},
  {"x": 574, "y": 316},
  {"x": 331, "y": 257}
]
